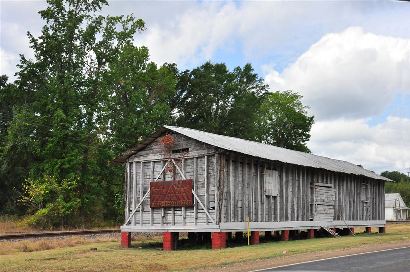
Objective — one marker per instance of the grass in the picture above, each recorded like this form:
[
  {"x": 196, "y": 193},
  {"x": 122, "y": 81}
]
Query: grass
[
  {"x": 32, "y": 245},
  {"x": 146, "y": 254},
  {"x": 14, "y": 225},
  {"x": 10, "y": 224}
]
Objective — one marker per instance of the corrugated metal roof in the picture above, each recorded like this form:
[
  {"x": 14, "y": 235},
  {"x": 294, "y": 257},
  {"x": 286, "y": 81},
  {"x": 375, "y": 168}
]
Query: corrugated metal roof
[
  {"x": 394, "y": 200},
  {"x": 275, "y": 153}
]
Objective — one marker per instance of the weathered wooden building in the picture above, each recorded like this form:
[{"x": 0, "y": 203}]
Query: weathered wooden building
[
  {"x": 185, "y": 180},
  {"x": 395, "y": 208}
]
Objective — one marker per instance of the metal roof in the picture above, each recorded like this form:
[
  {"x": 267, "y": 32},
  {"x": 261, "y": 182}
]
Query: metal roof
[
  {"x": 394, "y": 200},
  {"x": 275, "y": 153}
]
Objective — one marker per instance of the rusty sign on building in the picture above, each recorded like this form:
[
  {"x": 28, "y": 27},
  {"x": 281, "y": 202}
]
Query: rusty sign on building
[{"x": 176, "y": 193}]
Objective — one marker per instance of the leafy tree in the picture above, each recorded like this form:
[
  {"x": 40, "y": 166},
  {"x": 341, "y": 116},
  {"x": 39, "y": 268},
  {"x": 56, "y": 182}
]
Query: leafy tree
[
  {"x": 89, "y": 93},
  {"x": 141, "y": 95},
  {"x": 396, "y": 176},
  {"x": 214, "y": 99},
  {"x": 400, "y": 184},
  {"x": 238, "y": 104},
  {"x": 283, "y": 121},
  {"x": 13, "y": 161}
]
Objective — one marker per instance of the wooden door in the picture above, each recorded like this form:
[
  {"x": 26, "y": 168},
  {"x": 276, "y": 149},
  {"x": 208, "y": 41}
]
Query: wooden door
[{"x": 324, "y": 197}]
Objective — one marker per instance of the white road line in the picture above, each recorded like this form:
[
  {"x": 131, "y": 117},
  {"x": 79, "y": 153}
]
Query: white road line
[{"x": 330, "y": 258}]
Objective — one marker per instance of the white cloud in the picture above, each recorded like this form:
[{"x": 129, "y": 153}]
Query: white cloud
[
  {"x": 8, "y": 63},
  {"x": 193, "y": 37},
  {"x": 382, "y": 147},
  {"x": 347, "y": 78},
  {"x": 352, "y": 74}
]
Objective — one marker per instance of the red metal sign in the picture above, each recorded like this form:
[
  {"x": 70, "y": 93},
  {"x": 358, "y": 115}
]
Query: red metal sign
[{"x": 176, "y": 193}]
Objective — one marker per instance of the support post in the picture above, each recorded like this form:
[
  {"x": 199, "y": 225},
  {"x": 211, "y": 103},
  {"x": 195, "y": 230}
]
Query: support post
[
  {"x": 311, "y": 233},
  {"x": 125, "y": 239},
  {"x": 368, "y": 230},
  {"x": 254, "y": 237},
  {"x": 285, "y": 235},
  {"x": 169, "y": 240},
  {"x": 382, "y": 229},
  {"x": 218, "y": 240}
]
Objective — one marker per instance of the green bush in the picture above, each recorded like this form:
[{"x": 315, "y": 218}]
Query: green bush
[{"x": 52, "y": 202}]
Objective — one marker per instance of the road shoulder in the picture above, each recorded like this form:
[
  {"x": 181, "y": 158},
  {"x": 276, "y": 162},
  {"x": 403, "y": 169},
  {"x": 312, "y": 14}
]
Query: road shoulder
[{"x": 304, "y": 257}]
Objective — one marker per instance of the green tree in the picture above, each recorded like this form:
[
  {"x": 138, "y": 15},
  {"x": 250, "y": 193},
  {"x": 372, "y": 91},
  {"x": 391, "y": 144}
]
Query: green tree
[
  {"x": 283, "y": 121},
  {"x": 237, "y": 103},
  {"x": 400, "y": 184},
  {"x": 13, "y": 156},
  {"x": 141, "y": 97},
  {"x": 214, "y": 99},
  {"x": 90, "y": 93},
  {"x": 396, "y": 176}
]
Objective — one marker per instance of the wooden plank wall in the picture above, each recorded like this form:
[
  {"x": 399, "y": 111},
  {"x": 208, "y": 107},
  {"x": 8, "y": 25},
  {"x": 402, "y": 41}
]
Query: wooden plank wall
[
  {"x": 231, "y": 186},
  {"x": 244, "y": 198},
  {"x": 198, "y": 164}
]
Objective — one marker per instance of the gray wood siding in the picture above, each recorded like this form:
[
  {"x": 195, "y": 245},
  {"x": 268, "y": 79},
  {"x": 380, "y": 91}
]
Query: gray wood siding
[
  {"x": 243, "y": 194},
  {"x": 231, "y": 187},
  {"x": 198, "y": 164}
]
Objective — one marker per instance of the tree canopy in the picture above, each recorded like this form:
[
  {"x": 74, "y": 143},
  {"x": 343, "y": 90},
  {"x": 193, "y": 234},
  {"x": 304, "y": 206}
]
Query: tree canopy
[
  {"x": 89, "y": 93},
  {"x": 396, "y": 176},
  {"x": 283, "y": 121},
  {"x": 214, "y": 99}
]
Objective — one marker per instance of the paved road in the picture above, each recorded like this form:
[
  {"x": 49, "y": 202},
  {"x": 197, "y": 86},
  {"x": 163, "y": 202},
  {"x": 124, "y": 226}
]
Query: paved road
[{"x": 397, "y": 260}]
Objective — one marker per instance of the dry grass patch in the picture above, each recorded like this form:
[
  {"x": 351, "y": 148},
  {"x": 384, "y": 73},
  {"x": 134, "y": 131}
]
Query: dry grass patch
[
  {"x": 13, "y": 225},
  {"x": 31, "y": 245},
  {"x": 146, "y": 253}
]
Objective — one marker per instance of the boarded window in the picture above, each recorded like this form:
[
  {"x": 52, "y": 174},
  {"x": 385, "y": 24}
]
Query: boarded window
[
  {"x": 363, "y": 193},
  {"x": 271, "y": 179},
  {"x": 325, "y": 197}
]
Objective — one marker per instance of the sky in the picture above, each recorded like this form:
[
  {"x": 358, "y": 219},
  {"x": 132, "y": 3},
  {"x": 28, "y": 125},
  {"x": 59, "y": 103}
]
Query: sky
[{"x": 349, "y": 60}]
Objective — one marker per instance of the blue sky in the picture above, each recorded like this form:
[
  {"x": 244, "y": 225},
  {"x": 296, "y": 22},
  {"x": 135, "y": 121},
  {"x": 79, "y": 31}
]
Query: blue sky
[{"x": 350, "y": 60}]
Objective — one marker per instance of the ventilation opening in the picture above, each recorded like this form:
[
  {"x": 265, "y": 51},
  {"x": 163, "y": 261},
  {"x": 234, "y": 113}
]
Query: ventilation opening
[{"x": 182, "y": 150}]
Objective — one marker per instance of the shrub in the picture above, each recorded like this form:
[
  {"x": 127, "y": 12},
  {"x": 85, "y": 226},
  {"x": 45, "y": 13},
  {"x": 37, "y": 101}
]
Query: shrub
[{"x": 51, "y": 202}]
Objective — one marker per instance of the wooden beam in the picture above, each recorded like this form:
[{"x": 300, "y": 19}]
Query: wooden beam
[
  {"x": 195, "y": 181},
  {"x": 134, "y": 190},
  {"x": 252, "y": 183},
  {"x": 232, "y": 192},
  {"x": 217, "y": 219},
  {"x": 183, "y": 208},
  {"x": 259, "y": 199},
  {"x": 206, "y": 184},
  {"x": 141, "y": 192},
  {"x": 127, "y": 208},
  {"x": 151, "y": 212}
]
